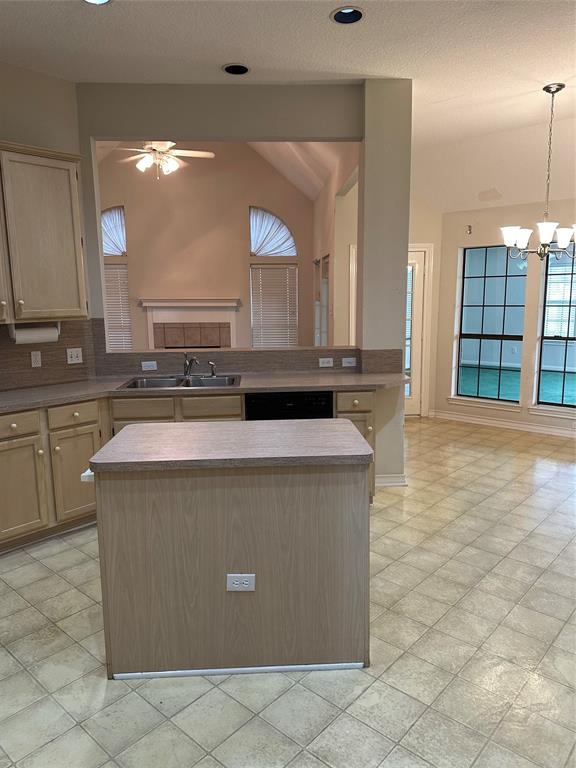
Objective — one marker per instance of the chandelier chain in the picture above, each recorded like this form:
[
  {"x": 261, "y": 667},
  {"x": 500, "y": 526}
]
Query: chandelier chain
[{"x": 547, "y": 204}]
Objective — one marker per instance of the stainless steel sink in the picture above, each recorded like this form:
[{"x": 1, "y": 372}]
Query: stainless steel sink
[
  {"x": 164, "y": 382},
  {"x": 211, "y": 381},
  {"x": 173, "y": 382}
]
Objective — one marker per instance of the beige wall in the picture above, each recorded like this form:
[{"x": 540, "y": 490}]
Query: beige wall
[
  {"x": 188, "y": 234},
  {"x": 345, "y": 235},
  {"x": 324, "y": 219},
  {"x": 37, "y": 110},
  {"x": 486, "y": 231}
]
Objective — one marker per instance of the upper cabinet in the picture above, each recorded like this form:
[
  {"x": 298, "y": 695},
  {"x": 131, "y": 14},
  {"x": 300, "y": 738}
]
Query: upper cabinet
[{"x": 43, "y": 239}]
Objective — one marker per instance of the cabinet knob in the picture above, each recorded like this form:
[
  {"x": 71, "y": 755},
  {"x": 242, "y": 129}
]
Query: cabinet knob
[
  {"x": 57, "y": 449},
  {"x": 21, "y": 302},
  {"x": 370, "y": 429},
  {"x": 355, "y": 402},
  {"x": 14, "y": 426},
  {"x": 40, "y": 452},
  {"x": 76, "y": 415}
]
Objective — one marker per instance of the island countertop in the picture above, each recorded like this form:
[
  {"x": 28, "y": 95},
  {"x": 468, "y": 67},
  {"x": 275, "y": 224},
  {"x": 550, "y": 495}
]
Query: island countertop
[{"x": 199, "y": 445}]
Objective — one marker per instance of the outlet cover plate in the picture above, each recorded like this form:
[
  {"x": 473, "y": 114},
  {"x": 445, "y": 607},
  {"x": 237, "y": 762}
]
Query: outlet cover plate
[
  {"x": 74, "y": 355},
  {"x": 36, "y": 359},
  {"x": 240, "y": 582},
  {"x": 149, "y": 365},
  {"x": 348, "y": 362},
  {"x": 326, "y": 362}
]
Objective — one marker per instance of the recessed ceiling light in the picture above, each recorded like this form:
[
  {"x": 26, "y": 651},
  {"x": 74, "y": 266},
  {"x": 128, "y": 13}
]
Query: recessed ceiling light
[
  {"x": 236, "y": 69},
  {"x": 348, "y": 14},
  {"x": 97, "y": 2}
]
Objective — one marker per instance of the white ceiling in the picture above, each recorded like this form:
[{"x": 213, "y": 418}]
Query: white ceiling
[{"x": 477, "y": 65}]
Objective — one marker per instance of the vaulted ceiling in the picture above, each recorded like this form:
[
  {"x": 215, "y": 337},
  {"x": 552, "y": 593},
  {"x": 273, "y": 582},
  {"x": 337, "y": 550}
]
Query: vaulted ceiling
[{"x": 477, "y": 65}]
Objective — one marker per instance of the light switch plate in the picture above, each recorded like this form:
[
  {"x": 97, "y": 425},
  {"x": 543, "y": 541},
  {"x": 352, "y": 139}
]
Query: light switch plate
[
  {"x": 348, "y": 362},
  {"x": 240, "y": 582},
  {"x": 74, "y": 355},
  {"x": 149, "y": 365},
  {"x": 326, "y": 362},
  {"x": 36, "y": 359}
]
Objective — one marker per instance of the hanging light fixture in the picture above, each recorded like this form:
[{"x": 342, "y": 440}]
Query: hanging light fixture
[{"x": 517, "y": 239}]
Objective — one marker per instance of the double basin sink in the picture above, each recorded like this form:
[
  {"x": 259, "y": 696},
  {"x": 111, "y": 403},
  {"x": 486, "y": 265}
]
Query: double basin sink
[{"x": 177, "y": 382}]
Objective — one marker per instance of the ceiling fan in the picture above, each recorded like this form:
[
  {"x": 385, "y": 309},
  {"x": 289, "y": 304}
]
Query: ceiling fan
[{"x": 162, "y": 155}]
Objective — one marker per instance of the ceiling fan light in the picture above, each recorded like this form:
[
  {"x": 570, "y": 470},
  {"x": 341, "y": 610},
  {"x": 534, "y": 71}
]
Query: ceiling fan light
[
  {"x": 509, "y": 235},
  {"x": 523, "y": 238},
  {"x": 546, "y": 231},
  {"x": 169, "y": 165},
  {"x": 563, "y": 237},
  {"x": 144, "y": 163}
]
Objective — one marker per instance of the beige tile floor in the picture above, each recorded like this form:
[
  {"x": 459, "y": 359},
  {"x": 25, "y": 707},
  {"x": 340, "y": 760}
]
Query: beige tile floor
[{"x": 473, "y": 638}]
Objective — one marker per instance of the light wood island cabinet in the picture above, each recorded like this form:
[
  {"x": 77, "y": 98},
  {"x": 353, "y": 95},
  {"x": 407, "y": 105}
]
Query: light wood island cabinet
[{"x": 41, "y": 246}]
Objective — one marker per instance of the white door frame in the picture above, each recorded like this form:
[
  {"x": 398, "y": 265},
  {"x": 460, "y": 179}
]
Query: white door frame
[{"x": 427, "y": 324}]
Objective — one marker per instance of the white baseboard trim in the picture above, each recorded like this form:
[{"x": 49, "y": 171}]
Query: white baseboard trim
[
  {"x": 241, "y": 670},
  {"x": 389, "y": 481},
  {"x": 488, "y": 421}
]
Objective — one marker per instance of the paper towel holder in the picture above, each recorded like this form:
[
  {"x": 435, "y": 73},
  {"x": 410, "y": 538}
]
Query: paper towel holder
[{"x": 13, "y": 328}]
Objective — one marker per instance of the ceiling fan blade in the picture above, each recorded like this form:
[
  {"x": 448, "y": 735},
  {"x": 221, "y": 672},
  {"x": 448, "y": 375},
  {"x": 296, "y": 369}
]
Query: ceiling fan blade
[
  {"x": 191, "y": 153},
  {"x": 130, "y": 149},
  {"x": 134, "y": 157}
]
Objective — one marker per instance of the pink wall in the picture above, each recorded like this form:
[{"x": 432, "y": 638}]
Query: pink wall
[{"x": 188, "y": 233}]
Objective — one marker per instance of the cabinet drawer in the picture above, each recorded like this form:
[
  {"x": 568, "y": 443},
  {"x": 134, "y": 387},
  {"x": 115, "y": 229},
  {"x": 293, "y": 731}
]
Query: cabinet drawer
[
  {"x": 204, "y": 407},
  {"x": 73, "y": 414},
  {"x": 143, "y": 408},
  {"x": 354, "y": 401},
  {"x": 18, "y": 424},
  {"x": 118, "y": 425}
]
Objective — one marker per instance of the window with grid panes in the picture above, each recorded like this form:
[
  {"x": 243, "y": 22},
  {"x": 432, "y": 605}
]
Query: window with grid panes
[
  {"x": 557, "y": 374},
  {"x": 491, "y": 324}
]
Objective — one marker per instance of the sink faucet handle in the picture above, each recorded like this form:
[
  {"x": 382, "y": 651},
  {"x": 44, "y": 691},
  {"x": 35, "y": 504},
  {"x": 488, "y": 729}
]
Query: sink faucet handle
[{"x": 212, "y": 369}]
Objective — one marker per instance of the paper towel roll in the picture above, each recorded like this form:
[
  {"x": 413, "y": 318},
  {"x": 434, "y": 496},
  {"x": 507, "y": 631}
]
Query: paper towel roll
[{"x": 40, "y": 335}]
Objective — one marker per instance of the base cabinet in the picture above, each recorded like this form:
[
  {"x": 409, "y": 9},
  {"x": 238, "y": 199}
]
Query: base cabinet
[
  {"x": 72, "y": 450},
  {"x": 23, "y": 487}
]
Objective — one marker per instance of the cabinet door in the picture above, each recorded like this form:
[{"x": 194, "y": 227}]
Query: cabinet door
[
  {"x": 365, "y": 425},
  {"x": 44, "y": 237},
  {"x": 72, "y": 450},
  {"x": 23, "y": 496},
  {"x": 6, "y": 302}
]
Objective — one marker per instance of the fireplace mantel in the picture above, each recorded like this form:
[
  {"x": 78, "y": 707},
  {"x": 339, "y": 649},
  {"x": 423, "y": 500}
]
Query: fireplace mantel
[{"x": 191, "y": 310}]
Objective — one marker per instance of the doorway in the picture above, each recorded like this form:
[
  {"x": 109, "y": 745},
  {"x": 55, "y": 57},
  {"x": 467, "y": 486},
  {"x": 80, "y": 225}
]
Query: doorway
[{"x": 415, "y": 294}]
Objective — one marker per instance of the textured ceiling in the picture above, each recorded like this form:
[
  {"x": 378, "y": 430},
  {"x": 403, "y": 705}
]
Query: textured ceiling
[{"x": 477, "y": 65}]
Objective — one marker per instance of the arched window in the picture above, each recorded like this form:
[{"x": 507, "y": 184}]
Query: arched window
[
  {"x": 269, "y": 236},
  {"x": 113, "y": 231}
]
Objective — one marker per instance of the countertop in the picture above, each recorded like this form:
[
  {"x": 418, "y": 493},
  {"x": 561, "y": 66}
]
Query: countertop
[
  {"x": 200, "y": 445},
  {"x": 58, "y": 394}
]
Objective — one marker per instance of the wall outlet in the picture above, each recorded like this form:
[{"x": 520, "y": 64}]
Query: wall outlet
[
  {"x": 348, "y": 362},
  {"x": 149, "y": 365},
  {"x": 36, "y": 359},
  {"x": 74, "y": 355},
  {"x": 326, "y": 362},
  {"x": 240, "y": 582}
]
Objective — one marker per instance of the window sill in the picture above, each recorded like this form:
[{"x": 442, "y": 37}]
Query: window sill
[
  {"x": 477, "y": 402},
  {"x": 559, "y": 411}
]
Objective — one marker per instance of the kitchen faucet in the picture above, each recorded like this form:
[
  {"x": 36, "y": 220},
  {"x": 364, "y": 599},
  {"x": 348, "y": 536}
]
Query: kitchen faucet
[
  {"x": 188, "y": 363},
  {"x": 212, "y": 369}
]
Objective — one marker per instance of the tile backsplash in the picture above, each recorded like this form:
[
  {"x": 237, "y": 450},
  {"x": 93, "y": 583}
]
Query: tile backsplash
[
  {"x": 15, "y": 364},
  {"x": 16, "y": 370}
]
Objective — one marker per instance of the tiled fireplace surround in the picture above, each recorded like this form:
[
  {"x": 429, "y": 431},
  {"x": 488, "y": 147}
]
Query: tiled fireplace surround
[{"x": 16, "y": 372}]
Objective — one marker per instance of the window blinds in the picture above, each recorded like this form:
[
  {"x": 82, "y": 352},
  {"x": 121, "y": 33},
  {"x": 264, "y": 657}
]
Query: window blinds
[
  {"x": 117, "y": 307},
  {"x": 274, "y": 303}
]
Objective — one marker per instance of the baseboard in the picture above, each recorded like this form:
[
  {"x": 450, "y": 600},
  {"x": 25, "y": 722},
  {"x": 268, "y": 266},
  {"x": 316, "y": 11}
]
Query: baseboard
[
  {"x": 388, "y": 481},
  {"x": 487, "y": 421}
]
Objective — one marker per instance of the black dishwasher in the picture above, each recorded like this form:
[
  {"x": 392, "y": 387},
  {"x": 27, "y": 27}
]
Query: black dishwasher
[{"x": 260, "y": 406}]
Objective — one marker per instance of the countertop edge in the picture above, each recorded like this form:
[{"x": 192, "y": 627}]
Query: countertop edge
[{"x": 232, "y": 463}]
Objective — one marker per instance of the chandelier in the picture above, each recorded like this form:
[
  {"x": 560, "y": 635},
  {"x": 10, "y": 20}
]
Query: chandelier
[{"x": 517, "y": 239}]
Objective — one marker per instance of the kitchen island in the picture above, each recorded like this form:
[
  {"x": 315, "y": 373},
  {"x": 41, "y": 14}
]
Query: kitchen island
[{"x": 234, "y": 546}]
